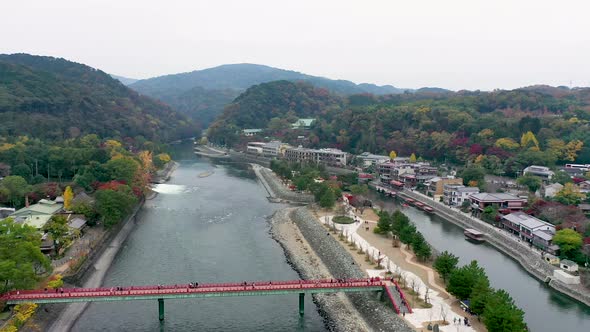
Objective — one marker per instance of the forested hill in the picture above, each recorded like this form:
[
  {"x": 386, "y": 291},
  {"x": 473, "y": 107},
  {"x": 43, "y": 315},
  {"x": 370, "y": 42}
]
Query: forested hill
[
  {"x": 55, "y": 99},
  {"x": 202, "y": 94},
  {"x": 456, "y": 127}
]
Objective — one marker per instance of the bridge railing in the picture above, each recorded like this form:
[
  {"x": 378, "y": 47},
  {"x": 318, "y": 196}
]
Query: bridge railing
[{"x": 184, "y": 288}]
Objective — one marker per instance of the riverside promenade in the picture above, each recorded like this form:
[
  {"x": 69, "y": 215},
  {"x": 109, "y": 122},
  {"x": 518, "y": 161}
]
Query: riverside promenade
[
  {"x": 529, "y": 258},
  {"x": 444, "y": 306}
]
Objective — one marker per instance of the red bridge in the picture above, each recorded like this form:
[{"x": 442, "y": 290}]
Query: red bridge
[{"x": 181, "y": 291}]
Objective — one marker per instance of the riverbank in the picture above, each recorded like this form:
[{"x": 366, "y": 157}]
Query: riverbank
[
  {"x": 277, "y": 190},
  {"x": 418, "y": 280},
  {"x": 529, "y": 259},
  {"x": 61, "y": 317},
  {"x": 341, "y": 264},
  {"x": 164, "y": 174},
  {"x": 336, "y": 309}
]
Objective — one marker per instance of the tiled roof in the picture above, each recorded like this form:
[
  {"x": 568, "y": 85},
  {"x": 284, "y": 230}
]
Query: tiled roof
[{"x": 495, "y": 197}]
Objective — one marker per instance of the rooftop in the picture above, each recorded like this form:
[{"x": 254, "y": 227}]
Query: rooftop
[
  {"x": 43, "y": 207},
  {"x": 543, "y": 235},
  {"x": 496, "y": 197},
  {"x": 249, "y": 131},
  {"x": 526, "y": 220}
]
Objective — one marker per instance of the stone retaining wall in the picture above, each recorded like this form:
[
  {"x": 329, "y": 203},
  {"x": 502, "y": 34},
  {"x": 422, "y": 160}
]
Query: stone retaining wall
[
  {"x": 529, "y": 259},
  {"x": 282, "y": 192},
  {"x": 81, "y": 274},
  {"x": 342, "y": 265}
]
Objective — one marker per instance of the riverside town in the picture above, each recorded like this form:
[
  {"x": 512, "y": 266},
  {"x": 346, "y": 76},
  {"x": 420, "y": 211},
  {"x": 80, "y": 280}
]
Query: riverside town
[{"x": 325, "y": 166}]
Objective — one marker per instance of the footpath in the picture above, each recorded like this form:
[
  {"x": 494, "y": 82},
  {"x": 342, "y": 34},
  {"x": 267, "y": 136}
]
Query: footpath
[
  {"x": 421, "y": 279},
  {"x": 529, "y": 258}
]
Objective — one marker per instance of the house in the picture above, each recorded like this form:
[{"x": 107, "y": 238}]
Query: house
[
  {"x": 531, "y": 229},
  {"x": 37, "y": 215},
  {"x": 370, "y": 159},
  {"x": 585, "y": 208},
  {"x": 251, "y": 132},
  {"x": 5, "y": 212},
  {"x": 77, "y": 223},
  {"x": 330, "y": 157},
  {"x": 541, "y": 171},
  {"x": 435, "y": 186},
  {"x": 501, "y": 201},
  {"x": 303, "y": 124},
  {"x": 584, "y": 186},
  {"x": 255, "y": 148},
  {"x": 457, "y": 194},
  {"x": 274, "y": 149},
  {"x": 552, "y": 189},
  {"x": 573, "y": 172}
]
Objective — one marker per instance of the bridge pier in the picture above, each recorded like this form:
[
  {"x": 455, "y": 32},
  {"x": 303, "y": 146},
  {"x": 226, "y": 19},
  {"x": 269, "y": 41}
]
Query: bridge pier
[
  {"x": 301, "y": 304},
  {"x": 161, "y": 309}
]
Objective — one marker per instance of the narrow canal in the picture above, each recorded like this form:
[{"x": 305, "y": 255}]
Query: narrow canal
[
  {"x": 545, "y": 309},
  {"x": 206, "y": 229}
]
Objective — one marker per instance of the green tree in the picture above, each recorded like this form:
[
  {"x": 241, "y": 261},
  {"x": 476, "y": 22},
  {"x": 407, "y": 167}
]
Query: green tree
[
  {"x": 413, "y": 158},
  {"x": 21, "y": 260},
  {"x": 480, "y": 295},
  {"x": 58, "y": 228},
  {"x": 501, "y": 314},
  {"x": 445, "y": 263},
  {"x": 489, "y": 214},
  {"x": 22, "y": 170},
  {"x": 384, "y": 222},
  {"x": 87, "y": 209},
  {"x": 463, "y": 280},
  {"x": 533, "y": 183},
  {"x": 399, "y": 222},
  {"x": 569, "y": 242},
  {"x": 123, "y": 169},
  {"x": 16, "y": 187},
  {"x": 473, "y": 173},
  {"x": 407, "y": 233},
  {"x": 421, "y": 247},
  {"x": 561, "y": 177},
  {"x": 112, "y": 206},
  {"x": 328, "y": 199}
]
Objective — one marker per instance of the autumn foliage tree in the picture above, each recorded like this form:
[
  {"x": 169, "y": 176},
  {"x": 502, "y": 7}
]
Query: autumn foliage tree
[{"x": 68, "y": 197}]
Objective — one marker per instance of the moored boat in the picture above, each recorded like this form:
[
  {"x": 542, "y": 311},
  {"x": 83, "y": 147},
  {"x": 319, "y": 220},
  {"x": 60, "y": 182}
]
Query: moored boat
[
  {"x": 428, "y": 209},
  {"x": 474, "y": 235}
]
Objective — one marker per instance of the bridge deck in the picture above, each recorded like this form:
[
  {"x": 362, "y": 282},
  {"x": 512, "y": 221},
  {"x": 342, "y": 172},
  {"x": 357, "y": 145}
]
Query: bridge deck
[{"x": 185, "y": 291}]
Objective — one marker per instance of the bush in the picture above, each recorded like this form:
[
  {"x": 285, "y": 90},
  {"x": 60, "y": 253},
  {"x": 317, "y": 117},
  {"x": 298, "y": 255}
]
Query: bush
[{"x": 342, "y": 220}]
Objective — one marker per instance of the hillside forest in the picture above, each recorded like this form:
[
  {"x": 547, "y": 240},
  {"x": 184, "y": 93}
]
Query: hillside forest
[{"x": 503, "y": 131}]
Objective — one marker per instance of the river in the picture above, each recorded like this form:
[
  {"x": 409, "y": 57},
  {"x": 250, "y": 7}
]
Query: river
[
  {"x": 545, "y": 309},
  {"x": 204, "y": 229}
]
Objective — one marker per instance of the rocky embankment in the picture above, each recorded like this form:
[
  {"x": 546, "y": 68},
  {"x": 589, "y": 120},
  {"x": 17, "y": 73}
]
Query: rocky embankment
[
  {"x": 316, "y": 254},
  {"x": 277, "y": 189}
]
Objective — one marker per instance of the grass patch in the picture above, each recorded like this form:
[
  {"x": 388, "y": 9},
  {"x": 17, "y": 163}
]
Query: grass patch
[{"x": 342, "y": 220}]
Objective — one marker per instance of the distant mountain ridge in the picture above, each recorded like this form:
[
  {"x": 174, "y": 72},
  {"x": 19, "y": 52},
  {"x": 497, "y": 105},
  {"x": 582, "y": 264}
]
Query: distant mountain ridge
[
  {"x": 124, "y": 80},
  {"x": 202, "y": 94},
  {"x": 53, "y": 98},
  {"x": 244, "y": 75}
]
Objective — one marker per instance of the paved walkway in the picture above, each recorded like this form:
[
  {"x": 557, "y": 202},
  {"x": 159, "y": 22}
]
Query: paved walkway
[{"x": 442, "y": 303}]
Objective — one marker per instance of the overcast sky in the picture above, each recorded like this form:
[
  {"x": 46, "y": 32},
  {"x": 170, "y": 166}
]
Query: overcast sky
[{"x": 454, "y": 44}]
